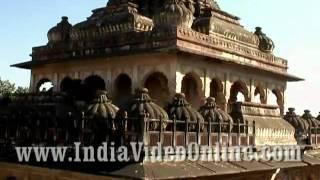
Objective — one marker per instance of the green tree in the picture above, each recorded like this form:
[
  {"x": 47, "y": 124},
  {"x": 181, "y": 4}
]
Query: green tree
[
  {"x": 21, "y": 90},
  {"x": 6, "y": 87}
]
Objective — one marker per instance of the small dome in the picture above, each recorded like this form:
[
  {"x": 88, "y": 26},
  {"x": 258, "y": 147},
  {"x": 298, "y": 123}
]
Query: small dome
[
  {"x": 211, "y": 112},
  {"x": 61, "y": 32},
  {"x": 265, "y": 43},
  {"x": 310, "y": 119},
  {"x": 176, "y": 13},
  {"x": 301, "y": 125},
  {"x": 142, "y": 105},
  {"x": 101, "y": 107},
  {"x": 181, "y": 110}
]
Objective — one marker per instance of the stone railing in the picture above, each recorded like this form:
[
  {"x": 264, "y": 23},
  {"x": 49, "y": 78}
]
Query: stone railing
[{"x": 222, "y": 44}]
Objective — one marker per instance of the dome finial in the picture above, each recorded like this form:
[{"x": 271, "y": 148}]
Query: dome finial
[
  {"x": 291, "y": 109},
  {"x": 64, "y": 18}
]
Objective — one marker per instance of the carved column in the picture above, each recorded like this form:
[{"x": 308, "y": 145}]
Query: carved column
[
  {"x": 136, "y": 80},
  {"x": 179, "y": 78},
  {"x": 56, "y": 82},
  {"x": 32, "y": 83},
  {"x": 227, "y": 89},
  {"x": 109, "y": 81},
  {"x": 207, "y": 86},
  {"x": 252, "y": 90}
]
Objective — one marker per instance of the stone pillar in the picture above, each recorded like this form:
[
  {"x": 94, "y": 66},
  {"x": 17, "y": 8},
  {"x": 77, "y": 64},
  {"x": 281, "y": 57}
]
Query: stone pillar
[
  {"x": 207, "y": 86},
  {"x": 136, "y": 80},
  {"x": 56, "y": 82},
  {"x": 282, "y": 108},
  {"x": 269, "y": 93},
  {"x": 179, "y": 78},
  {"x": 252, "y": 90},
  {"x": 76, "y": 75},
  {"x": 227, "y": 88},
  {"x": 32, "y": 83},
  {"x": 109, "y": 82}
]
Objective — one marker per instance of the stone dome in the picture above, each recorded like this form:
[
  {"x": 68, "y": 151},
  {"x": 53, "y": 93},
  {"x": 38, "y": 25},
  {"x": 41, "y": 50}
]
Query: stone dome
[
  {"x": 61, "y": 32},
  {"x": 211, "y": 112},
  {"x": 265, "y": 43},
  {"x": 313, "y": 122},
  {"x": 102, "y": 107},
  {"x": 142, "y": 105},
  {"x": 181, "y": 110},
  {"x": 176, "y": 13},
  {"x": 301, "y": 125}
]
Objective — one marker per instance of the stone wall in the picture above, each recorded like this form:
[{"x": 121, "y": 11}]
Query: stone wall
[{"x": 253, "y": 84}]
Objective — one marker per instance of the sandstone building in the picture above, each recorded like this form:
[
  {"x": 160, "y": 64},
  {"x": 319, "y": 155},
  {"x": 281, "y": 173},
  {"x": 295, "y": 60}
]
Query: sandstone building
[{"x": 186, "y": 50}]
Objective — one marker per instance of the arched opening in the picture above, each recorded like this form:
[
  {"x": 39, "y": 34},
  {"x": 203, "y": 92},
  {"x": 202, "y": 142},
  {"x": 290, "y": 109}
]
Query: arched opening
[
  {"x": 191, "y": 87},
  {"x": 238, "y": 93},
  {"x": 259, "y": 95},
  {"x": 216, "y": 91},
  {"x": 66, "y": 85},
  {"x": 157, "y": 84},
  {"x": 277, "y": 99},
  {"x": 92, "y": 84},
  {"x": 123, "y": 89},
  {"x": 44, "y": 86},
  {"x": 73, "y": 87}
]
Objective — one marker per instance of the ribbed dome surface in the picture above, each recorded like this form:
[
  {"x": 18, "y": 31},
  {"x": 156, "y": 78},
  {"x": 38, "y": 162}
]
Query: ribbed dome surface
[
  {"x": 176, "y": 13},
  {"x": 101, "y": 107},
  {"x": 141, "y": 106},
  {"x": 301, "y": 125},
  {"x": 61, "y": 32},
  {"x": 181, "y": 110},
  {"x": 313, "y": 122},
  {"x": 211, "y": 112}
]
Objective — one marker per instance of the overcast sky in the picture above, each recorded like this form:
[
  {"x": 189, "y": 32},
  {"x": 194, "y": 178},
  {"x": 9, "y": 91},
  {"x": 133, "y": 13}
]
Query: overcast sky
[{"x": 293, "y": 25}]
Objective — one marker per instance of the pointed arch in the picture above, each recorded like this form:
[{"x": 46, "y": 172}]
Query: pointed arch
[
  {"x": 192, "y": 88},
  {"x": 157, "y": 84},
  {"x": 216, "y": 91},
  {"x": 260, "y": 95},
  {"x": 238, "y": 93},
  {"x": 279, "y": 99},
  {"x": 122, "y": 89},
  {"x": 92, "y": 84},
  {"x": 66, "y": 84},
  {"x": 45, "y": 85}
]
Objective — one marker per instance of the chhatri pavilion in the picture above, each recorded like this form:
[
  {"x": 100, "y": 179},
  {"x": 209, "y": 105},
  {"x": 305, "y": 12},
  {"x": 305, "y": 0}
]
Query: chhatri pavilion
[{"x": 154, "y": 64}]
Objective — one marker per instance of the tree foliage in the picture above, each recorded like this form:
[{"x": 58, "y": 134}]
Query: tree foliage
[
  {"x": 7, "y": 88},
  {"x": 21, "y": 90}
]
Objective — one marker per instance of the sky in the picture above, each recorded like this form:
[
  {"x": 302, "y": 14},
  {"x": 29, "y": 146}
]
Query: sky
[{"x": 292, "y": 24}]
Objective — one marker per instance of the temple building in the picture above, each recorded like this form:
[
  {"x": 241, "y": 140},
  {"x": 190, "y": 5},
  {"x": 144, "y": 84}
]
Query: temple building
[
  {"x": 171, "y": 58},
  {"x": 168, "y": 47}
]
